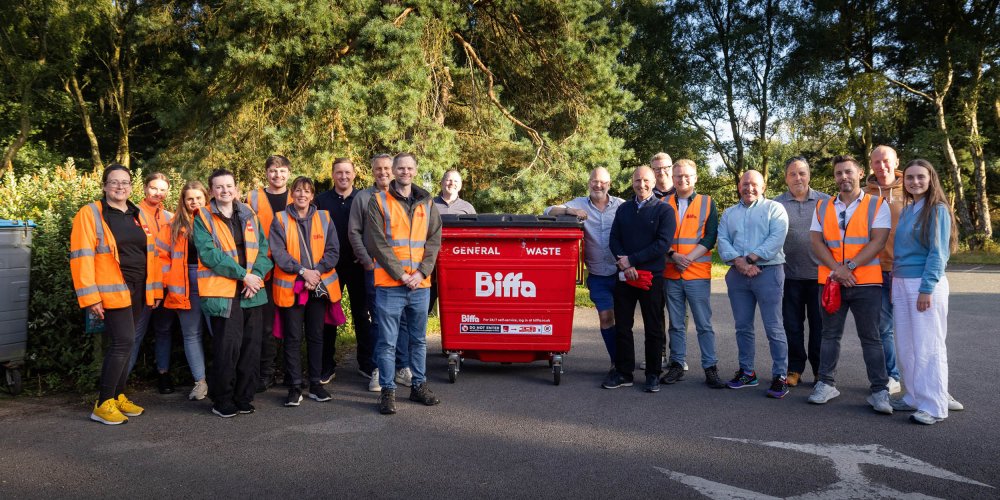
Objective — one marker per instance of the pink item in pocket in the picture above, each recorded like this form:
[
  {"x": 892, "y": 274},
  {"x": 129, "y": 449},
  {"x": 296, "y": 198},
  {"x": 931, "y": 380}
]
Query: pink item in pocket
[
  {"x": 278, "y": 334},
  {"x": 335, "y": 315}
]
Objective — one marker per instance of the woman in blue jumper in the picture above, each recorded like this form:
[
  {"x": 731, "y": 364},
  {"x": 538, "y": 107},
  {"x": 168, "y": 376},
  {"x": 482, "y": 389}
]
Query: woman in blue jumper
[{"x": 925, "y": 238}]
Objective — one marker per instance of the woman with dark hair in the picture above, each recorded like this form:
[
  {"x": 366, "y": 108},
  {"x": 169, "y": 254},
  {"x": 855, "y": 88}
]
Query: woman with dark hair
[
  {"x": 179, "y": 258},
  {"x": 232, "y": 263},
  {"x": 305, "y": 249},
  {"x": 116, "y": 277},
  {"x": 925, "y": 238}
]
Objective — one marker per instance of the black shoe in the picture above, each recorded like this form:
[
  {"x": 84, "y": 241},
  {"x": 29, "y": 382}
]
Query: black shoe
[
  {"x": 294, "y": 397},
  {"x": 422, "y": 394},
  {"x": 675, "y": 373},
  {"x": 615, "y": 380},
  {"x": 317, "y": 392},
  {"x": 245, "y": 408},
  {"x": 712, "y": 378},
  {"x": 166, "y": 384},
  {"x": 387, "y": 402},
  {"x": 652, "y": 384},
  {"x": 265, "y": 383},
  {"x": 226, "y": 410},
  {"x": 326, "y": 378}
]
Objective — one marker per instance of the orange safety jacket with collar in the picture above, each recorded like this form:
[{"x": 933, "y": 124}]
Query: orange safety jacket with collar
[
  {"x": 856, "y": 236},
  {"x": 262, "y": 207},
  {"x": 690, "y": 231},
  {"x": 94, "y": 262},
  {"x": 407, "y": 237},
  {"x": 211, "y": 284},
  {"x": 157, "y": 215},
  {"x": 173, "y": 259},
  {"x": 284, "y": 283}
]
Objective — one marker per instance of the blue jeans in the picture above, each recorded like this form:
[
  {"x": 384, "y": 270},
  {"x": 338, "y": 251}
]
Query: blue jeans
[
  {"x": 885, "y": 329},
  {"x": 745, "y": 294},
  {"x": 402, "y": 314},
  {"x": 698, "y": 294},
  {"x": 602, "y": 291},
  {"x": 402, "y": 344},
  {"x": 191, "y": 327}
]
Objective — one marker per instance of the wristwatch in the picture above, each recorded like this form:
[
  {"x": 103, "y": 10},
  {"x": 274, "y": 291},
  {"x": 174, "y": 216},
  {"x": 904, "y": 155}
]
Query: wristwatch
[
  {"x": 671, "y": 253},
  {"x": 302, "y": 271},
  {"x": 851, "y": 265},
  {"x": 749, "y": 260}
]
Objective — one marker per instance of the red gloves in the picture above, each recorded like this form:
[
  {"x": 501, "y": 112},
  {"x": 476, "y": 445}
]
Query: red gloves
[
  {"x": 643, "y": 282},
  {"x": 831, "y": 296}
]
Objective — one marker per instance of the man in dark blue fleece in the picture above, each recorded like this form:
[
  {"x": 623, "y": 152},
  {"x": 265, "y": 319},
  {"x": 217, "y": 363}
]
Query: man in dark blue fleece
[{"x": 641, "y": 234}]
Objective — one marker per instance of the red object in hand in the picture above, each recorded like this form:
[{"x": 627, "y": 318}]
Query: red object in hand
[
  {"x": 831, "y": 296},
  {"x": 643, "y": 282}
]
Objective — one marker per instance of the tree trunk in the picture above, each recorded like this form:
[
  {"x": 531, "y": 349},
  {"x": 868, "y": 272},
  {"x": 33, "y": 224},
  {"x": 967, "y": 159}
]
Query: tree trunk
[
  {"x": 961, "y": 208},
  {"x": 73, "y": 88},
  {"x": 24, "y": 128},
  {"x": 984, "y": 226}
]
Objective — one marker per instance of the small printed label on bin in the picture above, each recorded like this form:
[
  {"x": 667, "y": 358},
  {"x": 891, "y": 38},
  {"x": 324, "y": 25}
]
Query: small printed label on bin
[{"x": 501, "y": 329}]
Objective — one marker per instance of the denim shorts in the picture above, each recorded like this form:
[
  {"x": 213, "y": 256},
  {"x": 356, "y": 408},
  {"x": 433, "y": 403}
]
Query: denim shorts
[{"x": 602, "y": 291}]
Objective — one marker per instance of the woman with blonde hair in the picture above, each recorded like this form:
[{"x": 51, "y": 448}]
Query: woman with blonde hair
[
  {"x": 179, "y": 258},
  {"x": 925, "y": 238}
]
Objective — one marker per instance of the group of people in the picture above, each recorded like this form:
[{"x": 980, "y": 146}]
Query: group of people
[
  {"x": 247, "y": 272},
  {"x": 881, "y": 248}
]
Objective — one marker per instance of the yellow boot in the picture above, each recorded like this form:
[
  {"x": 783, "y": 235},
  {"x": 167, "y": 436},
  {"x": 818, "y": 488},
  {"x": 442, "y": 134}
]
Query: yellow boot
[
  {"x": 107, "y": 413},
  {"x": 128, "y": 407}
]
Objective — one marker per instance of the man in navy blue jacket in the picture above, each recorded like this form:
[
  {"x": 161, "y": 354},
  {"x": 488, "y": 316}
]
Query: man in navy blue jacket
[{"x": 641, "y": 234}]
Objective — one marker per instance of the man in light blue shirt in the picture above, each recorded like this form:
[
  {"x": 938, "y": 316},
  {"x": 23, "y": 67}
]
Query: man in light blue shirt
[
  {"x": 751, "y": 239},
  {"x": 597, "y": 211}
]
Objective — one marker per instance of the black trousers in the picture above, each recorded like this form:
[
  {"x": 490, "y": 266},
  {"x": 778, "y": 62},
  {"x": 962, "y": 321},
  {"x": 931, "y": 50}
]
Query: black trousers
[
  {"x": 236, "y": 355},
  {"x": 801, "y": 301},
  {"x": 119, "y": 337},
  {"x": 651, "y": 303},
  {"x": 268, "y": 344},
  {"x": 352, "y": 277},
  {"x": 312, "y": 315}
]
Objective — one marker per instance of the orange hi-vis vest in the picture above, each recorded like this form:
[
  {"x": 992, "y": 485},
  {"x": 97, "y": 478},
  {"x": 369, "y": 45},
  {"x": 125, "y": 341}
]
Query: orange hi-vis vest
[
  {"x": 283, "y": 287},
  {"x": 176, "y": 286},
  {"x": 856, "y": 236},
  {"x": 157, "y": 216},
  {"x": 94, "y": 262},
  {"x": 211, "y": 284},
  {"x": 258, "y": 202},
  {"x": 690, "y": 230},
  {"x": 407, "y": 237}
]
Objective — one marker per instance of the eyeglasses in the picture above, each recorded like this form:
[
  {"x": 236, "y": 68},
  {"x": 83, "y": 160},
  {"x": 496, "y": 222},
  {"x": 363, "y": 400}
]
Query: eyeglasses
[
  {"x": 660, "y": 169},
  {"x": 118, "y": 184},
  {"x": 843, "y": 220}
]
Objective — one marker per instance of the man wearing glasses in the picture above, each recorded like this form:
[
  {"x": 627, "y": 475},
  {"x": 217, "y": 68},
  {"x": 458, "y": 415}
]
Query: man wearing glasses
[
  {"x": 662, "y": 166},
  {"x": 847, "y": 234}
]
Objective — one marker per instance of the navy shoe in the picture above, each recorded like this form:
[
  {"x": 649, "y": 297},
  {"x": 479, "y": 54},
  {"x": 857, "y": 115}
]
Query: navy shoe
[
  {"x": 779, "y": 388},
  {"x": 615, "y": 380},
  {"x": 652, "y": 384}
]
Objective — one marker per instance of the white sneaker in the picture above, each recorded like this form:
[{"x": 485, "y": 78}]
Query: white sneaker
[
  {"x": 685, "y": 365},
  {"x": 954, "y": 405},
  {"x": 880, "y": 402},
  {"x": 404, "y": 377},
  {"x": 199, "y": 391},
  {"x": 894, "y": 386},
  {"x": 823, "y": 393},
  {"x": 922, "y": 417},
  {"x": 373, "y": 385}
]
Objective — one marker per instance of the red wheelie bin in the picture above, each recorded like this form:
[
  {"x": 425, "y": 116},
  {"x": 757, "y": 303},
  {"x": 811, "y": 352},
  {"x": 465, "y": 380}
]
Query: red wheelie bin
[{"x": 507, "y": 287}]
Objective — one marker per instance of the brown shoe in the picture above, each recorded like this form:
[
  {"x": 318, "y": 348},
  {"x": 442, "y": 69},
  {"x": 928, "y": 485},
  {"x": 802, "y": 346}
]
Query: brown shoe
[{"x": 793, "y": 379}]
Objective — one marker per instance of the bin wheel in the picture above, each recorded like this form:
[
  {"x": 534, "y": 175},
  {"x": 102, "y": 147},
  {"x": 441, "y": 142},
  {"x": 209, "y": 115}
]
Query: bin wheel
[
  {"x": 556, "y": 362},
  {"x": 454, "y": 365},
  {"x": 452, "y": 373},
  {"x": 14, "y": 383},
  {"x": 556, "y": 377}
]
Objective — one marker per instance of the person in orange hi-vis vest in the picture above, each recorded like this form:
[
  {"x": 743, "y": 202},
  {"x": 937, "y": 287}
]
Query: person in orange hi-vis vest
[
  {"x": 305, "y": 249},
  {"x": 403, "y": 234},
  {"x": 688, "y": 275},
  {"x": 179, "y": 258},
  {"x": 116, "y": 278},
  {"x": 156, "y": 187},
  {"x": 232, "y": 255},
  {"x": 847, "y": 233},
  {"x": 266, "y": 202}
]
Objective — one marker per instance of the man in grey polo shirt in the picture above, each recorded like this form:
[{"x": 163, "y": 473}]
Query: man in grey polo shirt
[
  {"x": 597, "y": 211},
  {"x": 448, "y": 201},
  {"x": 801, "y": 298}
]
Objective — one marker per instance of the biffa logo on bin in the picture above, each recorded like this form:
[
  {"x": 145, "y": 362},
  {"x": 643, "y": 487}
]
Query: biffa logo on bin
[{"x": 500, "y": 285}]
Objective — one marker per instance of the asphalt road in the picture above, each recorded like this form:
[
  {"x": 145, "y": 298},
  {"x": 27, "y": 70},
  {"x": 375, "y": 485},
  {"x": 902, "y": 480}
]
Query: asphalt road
[{"x": 507, "y": 431}]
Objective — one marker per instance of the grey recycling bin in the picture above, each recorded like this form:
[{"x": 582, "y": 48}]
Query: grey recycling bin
[{"x": 15, "y": 267}]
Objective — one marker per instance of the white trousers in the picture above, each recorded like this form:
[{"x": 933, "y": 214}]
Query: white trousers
[{"x": 920, "y": 345}]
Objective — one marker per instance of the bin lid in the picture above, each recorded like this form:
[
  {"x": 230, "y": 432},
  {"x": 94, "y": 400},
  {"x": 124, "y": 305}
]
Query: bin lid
[
  {"x": 509, "y": 220},
  {"x": 5, "y": 223}
]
